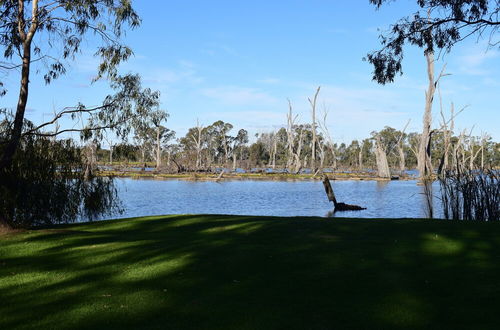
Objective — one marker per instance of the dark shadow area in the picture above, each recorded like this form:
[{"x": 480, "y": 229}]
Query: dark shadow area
[{"x": 228, "y": 272}]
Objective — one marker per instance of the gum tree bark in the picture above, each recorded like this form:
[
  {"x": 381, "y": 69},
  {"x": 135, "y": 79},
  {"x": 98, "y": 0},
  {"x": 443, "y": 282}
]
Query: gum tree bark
[
  {"x": 381, "y": 158},
  {"x": 424, "y": 164},
  {"x": 26, "y": 39},
  {"x": 313, "y": 128}
]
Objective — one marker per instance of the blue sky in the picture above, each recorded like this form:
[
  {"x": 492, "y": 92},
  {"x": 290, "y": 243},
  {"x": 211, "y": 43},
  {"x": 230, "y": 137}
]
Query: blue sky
[{"x": 239, "y": 61}]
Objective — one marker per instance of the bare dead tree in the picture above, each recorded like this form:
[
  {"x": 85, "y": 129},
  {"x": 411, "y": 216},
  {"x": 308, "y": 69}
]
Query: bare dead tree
[
  {"x": 447, "y": 127},
  {"x": 424, "y": 163},
  {"x": 298, "y": 164},
  {"x": 290, "y": 135},
  {"x": 321, "y": 154},
  {"x": 360, "y": 156},
  {"x": 198, "y": 143},
  {"x": 331, "y": 197},
  {"x": 381, "y": 158},
  {"x": 313, "y": 128},
  {"x": 326, "y": 133}
]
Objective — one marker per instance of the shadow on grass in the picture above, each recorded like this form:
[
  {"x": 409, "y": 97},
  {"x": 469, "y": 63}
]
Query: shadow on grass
[{"x": 227, "y": 272}]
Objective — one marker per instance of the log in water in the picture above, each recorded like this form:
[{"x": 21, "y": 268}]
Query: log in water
[{"x": 331, "y": 198}]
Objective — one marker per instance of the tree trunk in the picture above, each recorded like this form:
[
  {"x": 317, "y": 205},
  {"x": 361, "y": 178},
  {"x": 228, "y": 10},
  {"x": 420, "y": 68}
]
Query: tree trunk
[
  {"x": 329, "y": 190},
  {"x": 402, "y": 165},
  {"x": 331, "y": 198},
  {"x": 158, "y": 148},
  {"x": 381, "y": 157},
  {"x": 334, "y": 158},
  {"x": 111, "y": 154},
  {"x": 290, "y": 137},
  {"x": 360, "y": 157},
  {"x": 15, "y": 137},
  {"x": 313, "y": 128},
  {"x": 424, "y": 164},
  {"x": 26, "y": 39}
]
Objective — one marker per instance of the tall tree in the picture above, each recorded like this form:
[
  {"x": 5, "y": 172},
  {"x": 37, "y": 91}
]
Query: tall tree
[
  {"x": 438, "y": 25},
  {"x": 158, "y": 117},
  {"x": 238, "y": 142},
  {"x": 312, "y": 102},
  {"x": 53, "y": 31}
]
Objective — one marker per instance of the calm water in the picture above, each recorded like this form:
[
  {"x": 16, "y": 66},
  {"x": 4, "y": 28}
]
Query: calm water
[{"x": 390, "y": 199}]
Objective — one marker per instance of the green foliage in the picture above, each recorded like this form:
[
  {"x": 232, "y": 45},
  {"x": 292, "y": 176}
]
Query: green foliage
[
  {"x": 258, "y": 154},
  {"x": 60, "y": 27},
  {"x": 47, "y": 184},
  {"x": 439, "y": 25}
]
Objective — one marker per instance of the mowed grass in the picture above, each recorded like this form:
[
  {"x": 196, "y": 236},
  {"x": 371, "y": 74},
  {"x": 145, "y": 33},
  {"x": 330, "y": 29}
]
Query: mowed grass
[{"x": 237, "y": 272}]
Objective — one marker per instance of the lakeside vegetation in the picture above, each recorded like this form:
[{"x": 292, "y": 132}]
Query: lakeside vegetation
[
  {"x": 246, "y": 272},
  {"x": 209, "y": 148},
  {"x": 199, "y": 271},
  {"x": 260, "y": 175}
]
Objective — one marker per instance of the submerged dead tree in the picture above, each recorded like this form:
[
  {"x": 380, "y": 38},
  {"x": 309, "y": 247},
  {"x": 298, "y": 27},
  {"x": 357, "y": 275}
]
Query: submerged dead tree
[
  {"x": 331, "y": 198},
  {"x": 312, "y": 102},
  {"x": 381, "y": 158}
]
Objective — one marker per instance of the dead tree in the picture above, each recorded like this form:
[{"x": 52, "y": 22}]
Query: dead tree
[
  {"x": 298, "y": 164},
  {"x": 424, "y": 163},
  {"x": 381, "y": 158},
  {"x": 443, "y": 164},
  {"x": 293, "y": 153},
  {"x": 328, "y": 137},
  {"x": 400, "y": 149},
  {"x": 290, "y": 135},
  {"x": 313, "y": 128},
  {"x": 331, "y": 198},
  {"x": 360, "y": 156}
]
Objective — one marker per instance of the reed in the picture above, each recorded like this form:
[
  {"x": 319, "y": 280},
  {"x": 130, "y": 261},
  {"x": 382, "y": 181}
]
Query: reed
[{"x": 471, "y": 194}]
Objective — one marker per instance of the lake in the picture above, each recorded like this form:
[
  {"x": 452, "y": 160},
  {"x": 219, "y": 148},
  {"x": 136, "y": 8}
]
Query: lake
[{"x": 383, "y": 199}]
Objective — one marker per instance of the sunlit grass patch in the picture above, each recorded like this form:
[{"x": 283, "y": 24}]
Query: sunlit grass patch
[{"x": 232, "y": 272}]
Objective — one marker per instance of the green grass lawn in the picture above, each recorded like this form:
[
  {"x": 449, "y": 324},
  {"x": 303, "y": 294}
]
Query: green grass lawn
[{"x": 229, "y": 272}]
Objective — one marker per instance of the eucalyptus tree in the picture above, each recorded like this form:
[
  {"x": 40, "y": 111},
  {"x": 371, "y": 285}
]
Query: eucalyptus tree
[
  {"x": 192, "y": 146},
  {"x": 239, "y": 141},
  {"x": 312, "y": 103},
  {"x": 381, "y": 147},
  {"x": 437, "y": 25},
  {"x": 47, "y": 34},
  {"x": 161, "y": 134},
  {"x": 258, "y": 154},
  {"x": 219, "y": 132},
  {"x": 366, "y": 156}
]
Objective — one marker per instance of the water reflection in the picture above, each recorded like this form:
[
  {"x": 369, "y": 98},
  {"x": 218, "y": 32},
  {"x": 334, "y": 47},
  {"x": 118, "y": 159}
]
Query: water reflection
[{"x": 387, "y": 199}]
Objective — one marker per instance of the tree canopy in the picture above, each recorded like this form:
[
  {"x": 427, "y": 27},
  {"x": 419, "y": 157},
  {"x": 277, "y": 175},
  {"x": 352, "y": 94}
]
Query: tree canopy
[
  {"x": 48, "y": 34},
  {"x": 438, "y": 25}
]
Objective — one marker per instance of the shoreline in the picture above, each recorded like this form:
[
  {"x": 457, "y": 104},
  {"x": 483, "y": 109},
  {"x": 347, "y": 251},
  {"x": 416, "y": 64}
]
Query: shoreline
[{"x": 194, "y": 176}]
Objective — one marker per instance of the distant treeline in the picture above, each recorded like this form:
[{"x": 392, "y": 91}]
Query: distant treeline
[{"x": 204, "y": 148}]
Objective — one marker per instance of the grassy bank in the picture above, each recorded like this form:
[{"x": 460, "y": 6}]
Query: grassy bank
[
  {"x": 229, "y": 272},
  {"x": 242, "y": 176}
]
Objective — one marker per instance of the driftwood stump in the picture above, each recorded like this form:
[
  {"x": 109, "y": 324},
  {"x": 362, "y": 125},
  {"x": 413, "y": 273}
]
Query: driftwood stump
[{"x": 331, "y": 198}]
